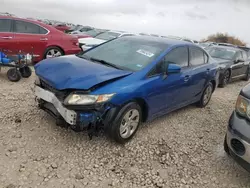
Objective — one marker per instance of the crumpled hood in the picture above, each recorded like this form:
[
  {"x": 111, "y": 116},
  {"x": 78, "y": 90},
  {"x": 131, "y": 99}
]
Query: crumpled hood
[
  {"x": 72, "y": 72},
  {"x": 91, "y": 41}
]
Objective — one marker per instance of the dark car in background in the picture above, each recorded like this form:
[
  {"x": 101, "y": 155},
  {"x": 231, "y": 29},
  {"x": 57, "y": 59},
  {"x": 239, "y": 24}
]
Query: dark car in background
[
  {"x": 233, "y": 63},
  {"x": 237, "y": 139},
  {"x": 34, "y": 37},
  {"x": 247, "y": 49}
]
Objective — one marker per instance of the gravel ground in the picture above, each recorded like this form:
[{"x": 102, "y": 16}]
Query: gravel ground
[{"x": 182, "y": 149}]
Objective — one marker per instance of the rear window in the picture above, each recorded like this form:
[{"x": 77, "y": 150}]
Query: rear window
[
  {"x": 25, "y": 27},
  {"x": 197, "y": 56},
  {"x": 5, "y": 25}
]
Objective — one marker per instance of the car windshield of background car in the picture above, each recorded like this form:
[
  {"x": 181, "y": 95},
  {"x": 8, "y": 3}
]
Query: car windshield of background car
[
  {"x": 108, "y": 35},
  {"x": 127, "y": 53},
  {"x": 222, "y": 53}
]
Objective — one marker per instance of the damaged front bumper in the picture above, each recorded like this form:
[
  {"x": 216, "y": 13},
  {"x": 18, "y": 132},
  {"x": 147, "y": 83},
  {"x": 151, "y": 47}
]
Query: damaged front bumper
[{"x": 81, "y": 117}]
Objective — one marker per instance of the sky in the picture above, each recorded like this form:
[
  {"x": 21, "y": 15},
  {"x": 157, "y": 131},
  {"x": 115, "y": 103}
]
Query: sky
[{"x": 195, "y": 19}]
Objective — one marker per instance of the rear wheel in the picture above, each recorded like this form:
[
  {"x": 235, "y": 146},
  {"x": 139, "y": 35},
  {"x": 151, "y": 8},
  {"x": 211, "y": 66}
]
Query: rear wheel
[
  {"x": 53, "y": 52},
  {"x": 247, "y": 75},
  {"x": 13, "y": 75},
  {"x": 126, "y": 123},
  {"x": 25, "y": 72},
  {"x": 225, "y": 79},
  {"x": 206, "y": 96}
]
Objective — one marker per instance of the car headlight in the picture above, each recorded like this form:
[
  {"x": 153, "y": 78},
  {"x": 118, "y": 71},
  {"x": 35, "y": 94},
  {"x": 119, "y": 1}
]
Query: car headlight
[
  {"x": 243, "y": 106},
  {"x": 82, "y": 99}
]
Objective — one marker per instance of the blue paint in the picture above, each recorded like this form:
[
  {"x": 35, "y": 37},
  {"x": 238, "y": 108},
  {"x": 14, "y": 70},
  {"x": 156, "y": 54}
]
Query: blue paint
[{"x": 160, "y": 94}]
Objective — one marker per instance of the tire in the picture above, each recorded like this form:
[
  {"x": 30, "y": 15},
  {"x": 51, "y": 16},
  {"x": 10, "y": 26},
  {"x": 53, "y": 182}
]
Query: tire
[
  {"x": 225, "y": 79},
  {"x": 25, "y": 72},
  {"x": 13, "y": 75},
  {"x": 226, "y": 148},
  {"x": 247, "y": 76},
  {"x": 50, "y": 54},
  {"x": 206, "y": 96},
  {"x": 121, "y": 130}
]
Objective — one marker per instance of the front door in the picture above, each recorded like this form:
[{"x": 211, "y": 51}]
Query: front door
[
  {"x": 237, "y": 67},
  {"x": 167, "y": 92}
]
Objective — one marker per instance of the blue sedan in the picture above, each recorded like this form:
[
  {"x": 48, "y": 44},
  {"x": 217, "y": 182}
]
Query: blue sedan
[{"x": 119, "y": 84}]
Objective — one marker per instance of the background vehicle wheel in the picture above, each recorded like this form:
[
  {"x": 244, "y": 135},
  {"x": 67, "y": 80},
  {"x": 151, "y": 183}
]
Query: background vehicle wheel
[
  {"x": 126, "y": 123},
  {"x": 206, "y": 96},
  {"x": 13, "y": 75},
  {"x": 247, "y": 76},
  {"x": 25, "y": 72},
  {"x": 226, "y": 149},
  {"x": 53, "y": 52},
  {"x": 225, "y": 79}
]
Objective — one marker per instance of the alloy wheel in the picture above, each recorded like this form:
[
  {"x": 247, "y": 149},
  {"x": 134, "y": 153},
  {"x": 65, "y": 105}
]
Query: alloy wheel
[
  {"x": 53, "y": 53},
  {"x": 207, "y": 94},
  {"x": 129, "y": 123}
]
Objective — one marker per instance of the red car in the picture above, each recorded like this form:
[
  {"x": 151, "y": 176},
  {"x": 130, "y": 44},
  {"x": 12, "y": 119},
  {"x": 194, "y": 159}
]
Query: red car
[
  {"x": 62, "y": 27},
  {"x": 34, "y": 37}
]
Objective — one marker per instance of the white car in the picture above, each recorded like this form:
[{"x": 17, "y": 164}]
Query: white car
[{"x": 86, "y": 43}]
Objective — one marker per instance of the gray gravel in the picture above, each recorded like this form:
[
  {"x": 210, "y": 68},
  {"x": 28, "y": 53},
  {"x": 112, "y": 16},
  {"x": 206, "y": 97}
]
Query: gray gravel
[{"x": 183, "y": 149}]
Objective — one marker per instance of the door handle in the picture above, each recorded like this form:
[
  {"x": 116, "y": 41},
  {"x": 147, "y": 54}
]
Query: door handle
[
  {"x": 186, "y": 78},
  {"x": 208, "y": 70},
  {"x": 7, "y": 37},
  {"x": 43, "y": 39}
]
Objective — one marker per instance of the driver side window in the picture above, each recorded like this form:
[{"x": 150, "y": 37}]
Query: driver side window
[
  {"x": 238, "y": 55},
  {"x": 177, "y": 56}
]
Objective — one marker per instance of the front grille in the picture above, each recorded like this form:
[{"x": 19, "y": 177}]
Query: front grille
[
  {"x": 238, "y": 147},
  {"x": 61, "y": 95}
]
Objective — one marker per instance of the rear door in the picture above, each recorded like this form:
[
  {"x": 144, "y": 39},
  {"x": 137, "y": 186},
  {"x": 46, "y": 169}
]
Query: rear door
[
  {"x": 6, "y": 36},
  {"x": 200, "y": 69},
  {"x": 167, "y": 93},
  {"x": 30, "y": 38}
]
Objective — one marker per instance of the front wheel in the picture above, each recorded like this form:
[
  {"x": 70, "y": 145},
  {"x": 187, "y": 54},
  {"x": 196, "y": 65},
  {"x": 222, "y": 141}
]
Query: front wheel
[
  {"x": 126, "y": 123},
  {"x": 225, "y": 79},
  {"x": 247, "y": 76},
  {"x": 206, "y": 96},
  {"x": 13, "y": 75}
]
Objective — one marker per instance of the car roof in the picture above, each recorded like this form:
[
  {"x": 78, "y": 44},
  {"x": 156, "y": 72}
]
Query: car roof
[
  {"x": 120, "y": 32},
  {"x": 227, "y": 47},
  {"x": 167, "y": 41},
  {"x": 48, "y": 27}
]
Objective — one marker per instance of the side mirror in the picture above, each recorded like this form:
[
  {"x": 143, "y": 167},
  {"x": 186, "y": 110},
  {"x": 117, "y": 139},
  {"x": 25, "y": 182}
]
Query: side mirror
[
  {"x": 173, "y": 68},
  {"x": 238, "y": 60}
]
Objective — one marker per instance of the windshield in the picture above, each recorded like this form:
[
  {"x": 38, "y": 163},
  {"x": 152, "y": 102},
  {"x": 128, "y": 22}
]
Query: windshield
[
  {"x": 93, "y": 32},
  {"x": 222, "y": 53},
  {"x": 127, "y": 53},
  {"x": 108, "y": 35},
  {"x": 204, "y": 45}
]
